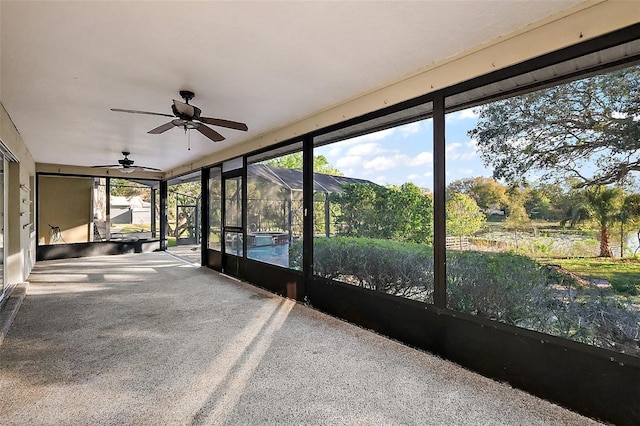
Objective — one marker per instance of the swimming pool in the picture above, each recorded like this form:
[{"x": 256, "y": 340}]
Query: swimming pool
[{"x": 274, "y": 254}]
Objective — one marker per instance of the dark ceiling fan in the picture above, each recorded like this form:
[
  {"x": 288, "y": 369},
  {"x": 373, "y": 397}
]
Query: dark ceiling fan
[
  {"x": 126, "y": 165},
  {"x": 188, "y": 117}
]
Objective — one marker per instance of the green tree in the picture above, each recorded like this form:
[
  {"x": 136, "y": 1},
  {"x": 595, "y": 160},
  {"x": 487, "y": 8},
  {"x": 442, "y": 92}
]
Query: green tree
[
  {"x": 603, "y": 205},
  {"x": 629, "y": 215},
  {"x": 537, "y": 204},
  {"x": 294, "y": 161},
  {"x": 488, "y": 193},
  {"x": 128, "y": 188},
  {"x": 631, "y": 205},
  {"x": 358, "y": 205},
  {"x": 547, "y": 200},
  {"x": 463, "y": 216},
  {"x": 517, "y": 218},
  {"x": 409, "y": 213},
  {"x": 402, "y": 213},
  {"x": 592, "y": 121}
]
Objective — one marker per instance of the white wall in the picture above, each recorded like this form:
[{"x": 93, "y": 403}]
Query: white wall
[
  {"x": 20, "y": 241},
  {"x": 588, "y": 21}
]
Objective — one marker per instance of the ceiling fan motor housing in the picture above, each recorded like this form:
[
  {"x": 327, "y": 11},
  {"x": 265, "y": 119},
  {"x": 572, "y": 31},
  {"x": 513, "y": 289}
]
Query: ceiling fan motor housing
[
  {"x": 126, "y": 162},
  {"x": 187, "y": 95},
  {"x": 185, "y": 111}
]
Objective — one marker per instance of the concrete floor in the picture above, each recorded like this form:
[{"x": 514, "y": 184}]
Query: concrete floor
[
  {"x": 190, "y": 253},
  {"x": 148, "y": 339}
]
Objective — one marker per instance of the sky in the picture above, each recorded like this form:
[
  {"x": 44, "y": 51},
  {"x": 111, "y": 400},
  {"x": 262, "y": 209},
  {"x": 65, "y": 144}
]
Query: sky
[{"x": 405, "y": 153}]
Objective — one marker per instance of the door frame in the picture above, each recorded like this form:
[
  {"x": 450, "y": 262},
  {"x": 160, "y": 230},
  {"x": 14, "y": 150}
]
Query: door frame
[{"x": 231, "y": 263}]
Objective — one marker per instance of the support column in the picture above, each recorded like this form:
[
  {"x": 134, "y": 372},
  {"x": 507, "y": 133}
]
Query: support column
[
  {"x": 439, "y": 201},
  {"x": 307, "y": 208},
  {"x": 154, "y": 230},
  {"x": 107, "y": 209},
  {"x": 163, "y": 215},
  {"x": 204, "y": 216}
]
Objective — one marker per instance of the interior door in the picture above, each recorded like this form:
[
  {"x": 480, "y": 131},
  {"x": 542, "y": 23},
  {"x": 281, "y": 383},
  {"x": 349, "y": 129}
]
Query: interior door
[{"x": 233, "y": 227}]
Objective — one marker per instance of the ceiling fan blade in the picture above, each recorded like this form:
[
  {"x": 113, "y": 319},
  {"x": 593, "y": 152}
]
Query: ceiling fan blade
[
  {"x": 132, "y": 111},
  {"x": 150, "y": 169},
  {"x": 224, "y": 123},
  {"x": 210, "y": 133},
  {"x": 162, "y": 129},
  {"x": 106, "y": 166}
]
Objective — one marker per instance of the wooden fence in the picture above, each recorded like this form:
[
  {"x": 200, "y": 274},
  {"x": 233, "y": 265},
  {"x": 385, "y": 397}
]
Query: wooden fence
[{"x": 457, "y": 243}]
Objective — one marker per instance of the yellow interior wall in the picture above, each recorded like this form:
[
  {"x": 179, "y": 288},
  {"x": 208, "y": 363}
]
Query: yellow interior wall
[{"x": 64, "y": 202}]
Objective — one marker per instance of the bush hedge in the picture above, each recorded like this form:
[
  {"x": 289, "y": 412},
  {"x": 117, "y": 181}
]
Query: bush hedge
[
  {"x": 507, "y": 287},
  {"x": 393, "y": 267},
  {"x": 502, "y": 286}
]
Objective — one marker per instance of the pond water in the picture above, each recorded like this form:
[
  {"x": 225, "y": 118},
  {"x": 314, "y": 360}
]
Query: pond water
[{"x": 631, "y": 244}]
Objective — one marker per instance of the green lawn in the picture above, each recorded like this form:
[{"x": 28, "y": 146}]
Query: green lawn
[
  {"x": 623, "y": 274},
  {"x": 128, "y": 228}
]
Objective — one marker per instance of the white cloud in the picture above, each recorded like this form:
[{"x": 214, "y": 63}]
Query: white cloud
[
  {"x": 370, "y": 137},
  {"x": 349, "y": 162},
  {"x": 383, "y": 163},
  {"x": 462, "y": 115},
  {"x": 410, "y": 129},
  {"x": 466, "y": 156},
  {"x": 380, "y": 180},
  {"x": 404, "y": 131},
  {"x": 453, "y": 154},
  {"x": 422, "y": 159},
  {"x": 423, "y": 180},
  {"x": 335, "y": 151},
  {"x": 452, "y": 147},
  {"x": 460, "y": 172},
  {"x": 420, "y": 175},
  {"x": 399, "y": 160},
  {"x": 365, "y": 149}
]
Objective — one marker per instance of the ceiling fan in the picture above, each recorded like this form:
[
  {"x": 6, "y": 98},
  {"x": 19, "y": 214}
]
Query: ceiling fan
[
  {"x": 126, "y": 165},
  {"x": 188, "y": 117}
]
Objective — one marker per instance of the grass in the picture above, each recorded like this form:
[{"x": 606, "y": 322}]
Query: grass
[
  {"x": 622, "y": 274},
  {"x": 129, "y": 228},
  {"x": 574, "y": 250}
]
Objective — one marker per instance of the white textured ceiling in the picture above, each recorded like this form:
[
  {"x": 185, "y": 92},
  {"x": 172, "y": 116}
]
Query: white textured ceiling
[{"x": 65, "y": 64}]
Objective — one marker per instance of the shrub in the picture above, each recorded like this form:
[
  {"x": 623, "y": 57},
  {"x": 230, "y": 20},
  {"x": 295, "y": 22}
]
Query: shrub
[
  {"x": 506, "y": 287},
  {"x": 397, "y": 268}
]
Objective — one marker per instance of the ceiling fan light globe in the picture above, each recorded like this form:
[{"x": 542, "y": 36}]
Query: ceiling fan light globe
[
  {"x": 185, "y": 124},
  {"x": 128, "y": 169}
]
